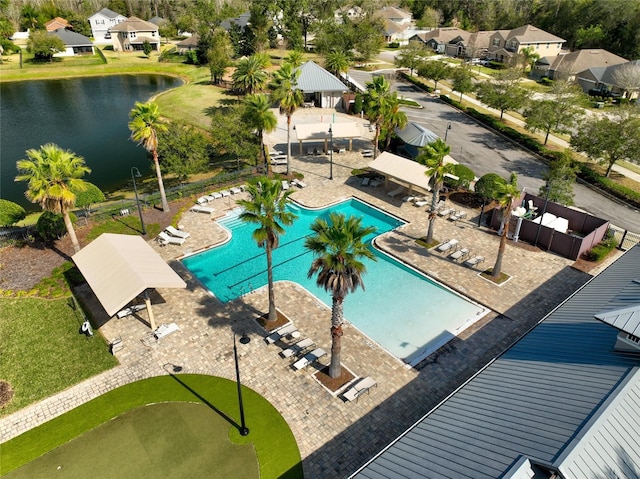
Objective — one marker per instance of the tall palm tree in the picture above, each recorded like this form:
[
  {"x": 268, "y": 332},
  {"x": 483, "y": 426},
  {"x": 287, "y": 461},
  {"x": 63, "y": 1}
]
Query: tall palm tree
[
  {"x": 339, "y": 246},
  {"x": 393, "y": 117},
  {"x": 374, "y": 106},
  {"x": 432, "y": 156},
  {"x": 145, "y": 125},
  {"x": 337, "y": 61},
  {"x": 508, "y": 195},
  {"x": 285, "y": 91},
  {"x": 295, "y": 58},
  {"x": 267, "y": 208},
  {"x": 250, "y": 74},
  {"x": 258, "y": 115},
  {"x": 53, "y": 174}
]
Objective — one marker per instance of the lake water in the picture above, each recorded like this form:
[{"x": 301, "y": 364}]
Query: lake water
[{"x": 88, "y": 116}]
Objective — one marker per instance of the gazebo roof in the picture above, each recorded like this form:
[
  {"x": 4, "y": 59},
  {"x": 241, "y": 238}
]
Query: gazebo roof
[
  {"x": 416, "y": 135},
  {"x": 402, "y": 169},
  {"x": 314, "y": 78},
  {"x": 120, "y": 267}
]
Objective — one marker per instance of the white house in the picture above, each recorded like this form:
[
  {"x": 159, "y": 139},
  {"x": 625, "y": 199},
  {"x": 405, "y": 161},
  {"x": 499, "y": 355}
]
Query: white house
[
  {"x": 131, "y": 34},
  {"x": 101, "y": 22}
]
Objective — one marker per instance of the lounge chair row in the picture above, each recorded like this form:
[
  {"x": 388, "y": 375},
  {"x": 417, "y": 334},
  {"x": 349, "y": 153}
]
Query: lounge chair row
[
  {"x": 452, "y": 214},
  {"x": 203, "y": 200},
  {"x": 452, "y": 246},
  {"x": 299, "y": 348}
]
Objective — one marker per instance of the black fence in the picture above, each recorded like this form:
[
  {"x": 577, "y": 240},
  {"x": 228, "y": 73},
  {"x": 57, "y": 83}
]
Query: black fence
[{"x": 626, "y": 239}]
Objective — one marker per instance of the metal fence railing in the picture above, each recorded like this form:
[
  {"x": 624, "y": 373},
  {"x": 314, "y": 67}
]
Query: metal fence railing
[{"x": 625, "y": 239}]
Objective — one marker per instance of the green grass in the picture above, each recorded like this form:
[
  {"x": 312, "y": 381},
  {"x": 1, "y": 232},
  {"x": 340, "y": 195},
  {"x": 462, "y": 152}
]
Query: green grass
[
  {"x": 275, "y": 446},
  {"x": 43, "y": 351},
  {"x": 124, "y": 225}
]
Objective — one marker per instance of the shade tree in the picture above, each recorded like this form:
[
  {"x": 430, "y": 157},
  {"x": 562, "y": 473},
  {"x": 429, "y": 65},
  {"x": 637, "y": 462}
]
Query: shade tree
[{"x": 503, "y": 92}]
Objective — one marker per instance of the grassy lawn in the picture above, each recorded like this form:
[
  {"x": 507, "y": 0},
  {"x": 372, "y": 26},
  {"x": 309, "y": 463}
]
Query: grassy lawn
[
  {"x": 43, "y": 351},
  {"x": 171, "y": 436}
]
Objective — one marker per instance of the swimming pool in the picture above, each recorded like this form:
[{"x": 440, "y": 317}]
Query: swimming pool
[{"x": 402, "y": 310}]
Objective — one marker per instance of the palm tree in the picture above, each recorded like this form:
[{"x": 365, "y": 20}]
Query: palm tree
[
  {"x": 432, "y": 156},
  {"x": 508, "y": 195},
  {"x": 53, "y": 174},
  {"x": 145, "y": 125},
  {"x": 393, "y": 117},
  {"x": 337, "y": 62},
  {"x": 285, "y": 91},
  {"x": 267, "y": 208},
  {"x": 250, "y": 74},
  {"x": 374, "y": 106},
  {"x": 338, "y": 246},
  {"x": 258, "y": 115},
  {"x": 295, "y": 58}
]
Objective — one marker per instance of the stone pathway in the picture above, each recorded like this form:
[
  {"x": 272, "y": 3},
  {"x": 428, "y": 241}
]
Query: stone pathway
[{"x": 334, "y": 437}]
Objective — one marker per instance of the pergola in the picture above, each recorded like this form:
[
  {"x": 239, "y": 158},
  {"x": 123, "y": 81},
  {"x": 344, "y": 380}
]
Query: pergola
[
  {"x": 402, "y": 170},
  {"x": 119, "y": 268},
  {"x": 315, "y": 132}
]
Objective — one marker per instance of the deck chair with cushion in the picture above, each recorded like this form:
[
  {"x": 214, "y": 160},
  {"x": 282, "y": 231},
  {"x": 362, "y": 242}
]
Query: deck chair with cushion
[
  {"x": 235, "y": 190},
  {"x": 297, "y": 348},
  {"x": 396, "y": 192},
  {"x": 285, "y": 185},
  {"x": 365, "y": 181},
  {"x": 359, "y": 388},
  {"x": 309, "y": 358},
  {"x": 460, "y": 215},
  {"x": 460, "y": 254},
  {"x": 447, "y": 245},
  {"x": 176, "y": 232},
  {"x": 298, "y": 183},
  {"x": 202, "y": 209},
  {"x": 471, "y": 262},
  {"x": 165, "y": 239},
  {"x": 286, "y": 330},
  {"x": 165, "y": 329},
  {"x": 445, "y": 211}
]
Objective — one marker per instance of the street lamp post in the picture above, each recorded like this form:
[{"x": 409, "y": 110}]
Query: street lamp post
[
  {"x": 330, "y": 153},
  {"x": 135, "y": 173},
  {"x": 446, "y": 131},
  {"x": 244, "y": 339},
  {"x": 544, "y": 210}
]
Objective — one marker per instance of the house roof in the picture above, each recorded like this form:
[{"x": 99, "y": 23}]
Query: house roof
[
  {"x": 159, "y": 21},
  {"x": 609, "y": 74},
  {"x": 134, "y": 24},
  {"x": 105, "y": 12},
  {"x": 402, "y": 169},
  {"x": 56, "y": 23},
  {"x": 531, "y": 34},
  {"x": 71, "y": 39},
  {"x": 241, "y": 20},
  {"x": 441, "y": 35},
  {"x": 393, "y": 13},
  {"x": 580, "y": 60},
  {"x": 391, "y": 27},
  {"x": 191, "y": 41},
  {"x": 416, "y": 135},
  {"x": 314, "y": 78},
  {"x": 560, "y": 397},
  {"x": 120, "y": 267},
  {"x": 624, "y": 319}
]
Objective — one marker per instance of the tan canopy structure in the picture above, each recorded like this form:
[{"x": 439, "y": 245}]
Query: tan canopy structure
[
  {"x": 315, "y": 132},
  {"x": 120, "y": 267},
  {"x": 404, "y": 171}
]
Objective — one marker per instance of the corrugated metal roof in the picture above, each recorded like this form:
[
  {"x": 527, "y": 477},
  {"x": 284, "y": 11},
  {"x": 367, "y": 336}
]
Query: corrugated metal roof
[
  {"x": 315, "y": 78},
  {"x": 624, "y": 319},
  {"x": 534, "y": 399},
  {"x": 416, "y": 135}
]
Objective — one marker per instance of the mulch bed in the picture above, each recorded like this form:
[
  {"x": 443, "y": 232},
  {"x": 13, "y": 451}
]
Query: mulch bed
[
  {"x": 6, "y": 393},
  {"x": 270, "y": 326},
  {"x": 334, "y": 384}
]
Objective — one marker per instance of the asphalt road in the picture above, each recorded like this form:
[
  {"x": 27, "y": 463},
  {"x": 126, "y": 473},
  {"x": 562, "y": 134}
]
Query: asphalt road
[{"x": 484, "y": 152}]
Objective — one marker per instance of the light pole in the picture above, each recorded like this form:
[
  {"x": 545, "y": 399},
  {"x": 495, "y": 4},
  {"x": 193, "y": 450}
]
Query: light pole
[
  {"x": 330, "y": 153},
  {"x": 244, "y": 339},
  {"x": 135, "y": 173},
  {"x": 544, "y": 210},
  {"x": 446, "y": 132}
]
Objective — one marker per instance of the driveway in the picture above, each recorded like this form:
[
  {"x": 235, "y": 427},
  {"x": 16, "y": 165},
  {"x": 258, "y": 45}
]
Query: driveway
[{"x": 484, "y": 151}]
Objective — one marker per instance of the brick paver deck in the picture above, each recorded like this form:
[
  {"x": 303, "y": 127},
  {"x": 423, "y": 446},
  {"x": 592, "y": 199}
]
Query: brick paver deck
[{"x": 334, "y": 437}]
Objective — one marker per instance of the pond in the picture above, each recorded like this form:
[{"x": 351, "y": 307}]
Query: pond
[{"x": 88, "y": 116}]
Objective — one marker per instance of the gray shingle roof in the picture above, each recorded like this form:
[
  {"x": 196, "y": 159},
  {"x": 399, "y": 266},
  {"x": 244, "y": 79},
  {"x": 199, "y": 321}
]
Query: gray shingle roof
[
  {"x": 553, "y": 397},
  {"x": 314, "y": 78},
  {"x": 71, "y": 39},
  {"x": 105, "y": 12}
]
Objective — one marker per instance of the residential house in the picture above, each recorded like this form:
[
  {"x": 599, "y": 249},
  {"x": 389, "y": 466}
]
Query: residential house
[
  {"x": 469, "y": 45},
  {"x": 242, "y": 21},
  {"x": 188, "y": 44},
  {"x": 75, "y": 43},
  {"x": 505, "y": 44},
  {"x": 562, "y": 402},
  {"x": 604, "y": 81},
  {"x": 437, "y": 39},
  {"x": 131, "y": 34},
  {"x": 56, "y": 23},
  {"x": 398, "y": 25},
  {"x": 159, "y": 21},
  {"x": 566, "y": 66},
  {"x": 101, "y": 22},
  {"x": 350, "y": 13},
  {"x": 320, "y": 87}
]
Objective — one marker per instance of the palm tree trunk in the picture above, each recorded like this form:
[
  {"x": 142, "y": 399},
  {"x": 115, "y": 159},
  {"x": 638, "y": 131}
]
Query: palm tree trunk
[
  {"x": 70, "y": 230},
  {"x": 432, "y": 213},
  {"x": 163, "y": 196},
  {"x": 497, "y": 267},
  {"x": 262, "y": 155},
  {"x": 335, "y": 368},
  {"x": 273, "y": 314},
  {"x": 375, "y": 141},
  {"x": 288, "y": 145}
]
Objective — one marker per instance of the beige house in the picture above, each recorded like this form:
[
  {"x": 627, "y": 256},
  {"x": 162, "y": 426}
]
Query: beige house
[
  {"x": 505, "y": 44},
  {"x": 439, "y": 38},
  {"x": 470, "y": 45},
  {"x": 566, "y": 66},
  {"x": 131, "y": 34}
]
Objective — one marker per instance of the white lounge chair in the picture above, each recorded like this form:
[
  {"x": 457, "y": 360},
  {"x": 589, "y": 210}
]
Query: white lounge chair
[
  {"x": 447, "y": 245},
  {"x": 130, "y": 310},
  {"x": 297, "y": 348},
  {"x": 460, "y": 215},
  {"x": 285, "y": 185},
  {"x": 474, "y": 261},
  {"x": 216, "y": 195},
  {"x": 309, "y": 358},
  {"x": 359, "y": 388},
  {"x": 286, "y": 330},
  {"x": 420, "y": 203},
  {"x": 225, "y": 193},
  {"x": 278, "y": 160},
  {"x": 235, "y": 190},
  {"x": 202, "y": 209},
  {"x": 460, "y": 254},
  {"x": 409, "y": 199},
  {"x": 396, "y": 192},
  {"x": 176, "y": 232},
  {"x": 203, "y": 200},
  {"x": 165, "y": 329},
  {"x": 298, "y": 183},
  {"x": 367, "y": 153},
  {"x": 164, "y": 238},
  {"x": 445, "y": 211}
]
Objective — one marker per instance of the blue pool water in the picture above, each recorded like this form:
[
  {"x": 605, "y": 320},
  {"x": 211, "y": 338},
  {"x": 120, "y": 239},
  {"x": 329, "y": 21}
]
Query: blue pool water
[{"x": 400, "y": 309}]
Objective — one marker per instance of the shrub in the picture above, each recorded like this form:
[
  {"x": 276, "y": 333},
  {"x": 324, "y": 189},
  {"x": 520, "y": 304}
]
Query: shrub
[
  {"x": 602, "y": 249},
  {"x": 357, "y": 104},
  {"x": 546, "y": 81},
  {"x": 465, "y": 177},
  {"x": 50, "y": 226},
  {"x": 10, "y": 213},
  {"x": 192, "y": 57},
  {"x": 394, "y": 44}
]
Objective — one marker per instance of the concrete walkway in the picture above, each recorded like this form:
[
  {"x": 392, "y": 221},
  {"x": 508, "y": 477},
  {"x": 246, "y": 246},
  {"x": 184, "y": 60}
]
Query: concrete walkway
[{"x": 334, "y": 437}]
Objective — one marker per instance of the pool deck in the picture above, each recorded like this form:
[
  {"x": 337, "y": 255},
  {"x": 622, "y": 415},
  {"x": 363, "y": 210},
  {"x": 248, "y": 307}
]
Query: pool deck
[{"x": 334, "y": 437}]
